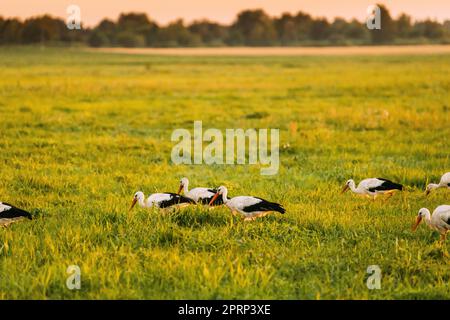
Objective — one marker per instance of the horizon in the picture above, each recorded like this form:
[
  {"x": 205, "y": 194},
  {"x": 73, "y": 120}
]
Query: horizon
[{"x": 220, "y": 11}]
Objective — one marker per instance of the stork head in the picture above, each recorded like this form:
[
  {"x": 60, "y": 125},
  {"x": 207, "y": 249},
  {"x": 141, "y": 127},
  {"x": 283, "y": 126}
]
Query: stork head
[
  {"x": 422, "y": 214},
  {"x": 430, "y": 187},
  {"x": 221, "y": 190},
  {"x": 183, "y": 183},
  {"x": 347, "y": 185},
  {"x": 138, "y": 196}
]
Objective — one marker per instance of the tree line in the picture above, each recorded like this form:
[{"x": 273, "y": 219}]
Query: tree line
[{"x": 250, "y": 28}]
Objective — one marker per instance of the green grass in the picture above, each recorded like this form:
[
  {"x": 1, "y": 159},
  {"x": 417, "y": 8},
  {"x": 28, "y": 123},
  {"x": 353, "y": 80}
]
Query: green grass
[{"x": 81, "y": 132}]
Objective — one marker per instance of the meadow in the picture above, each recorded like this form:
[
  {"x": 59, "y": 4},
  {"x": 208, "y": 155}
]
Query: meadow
[{"x": 80, "y": 132}]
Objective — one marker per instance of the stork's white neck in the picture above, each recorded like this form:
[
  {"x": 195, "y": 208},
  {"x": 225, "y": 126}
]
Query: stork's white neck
[
  {"x": 432, "y": 186},
  {"x": 224, "y": 196},
  {"x": 141, "y": 202},
  {"x": 352, "y": 187},
  {"x": 428, "y": 218},
  {"x": 186, "y": 187}
]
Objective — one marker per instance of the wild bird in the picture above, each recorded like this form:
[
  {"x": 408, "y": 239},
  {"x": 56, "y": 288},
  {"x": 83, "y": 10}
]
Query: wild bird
[
  {"x": 444, "y": 183},
  {"x": 439, "y": 221},
  {"x": 10, "y": 214},
  {"x": 199, "y": 194},
  {"x": 372, "y": 187},
  {"x": 160, "y": 200},
  {"x": 249, "y": 207}
]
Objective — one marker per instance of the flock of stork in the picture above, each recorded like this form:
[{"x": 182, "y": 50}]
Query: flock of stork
[{"x": 253, "y": 207}]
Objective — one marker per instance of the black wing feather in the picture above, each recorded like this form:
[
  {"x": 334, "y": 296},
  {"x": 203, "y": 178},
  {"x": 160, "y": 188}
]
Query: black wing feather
[
  {"x": 387, "y": 185},
  {"x": 448, "y": 221},
  {"x": 265, "y": 205},
  {"x": 14, "y": 212},
  {"x": 174, "y": 199},
  {"x": 217, "y": 202}
]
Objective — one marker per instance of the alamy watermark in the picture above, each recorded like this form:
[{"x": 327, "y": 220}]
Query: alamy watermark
[
  {"x": 373, "y": 17},
  {"x": 374, "y": 280},
  {"x": 189, "y": 149},
  {"x": 73, "y": 21},
  {"x": 73, "y": 281}
]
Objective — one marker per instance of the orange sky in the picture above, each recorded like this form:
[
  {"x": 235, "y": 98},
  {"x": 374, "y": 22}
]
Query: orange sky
[{"x": 223, "y": 11}]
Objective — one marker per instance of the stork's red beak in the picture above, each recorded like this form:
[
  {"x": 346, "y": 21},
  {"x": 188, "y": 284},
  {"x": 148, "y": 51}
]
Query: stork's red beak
[
  {"x": 418, "y": 220},
  {"x": 345, "y": 188},
  {"x": 180, "y": 188},
  {"x": 214, "y": 198},
  {"x": 133, "y": 204}
]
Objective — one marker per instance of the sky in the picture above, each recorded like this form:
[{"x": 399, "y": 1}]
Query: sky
[{"x": 224, "y": 11}]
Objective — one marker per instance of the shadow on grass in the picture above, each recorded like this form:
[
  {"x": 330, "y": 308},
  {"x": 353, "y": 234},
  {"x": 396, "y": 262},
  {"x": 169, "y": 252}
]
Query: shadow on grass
[{"x": 199, "y": 217}]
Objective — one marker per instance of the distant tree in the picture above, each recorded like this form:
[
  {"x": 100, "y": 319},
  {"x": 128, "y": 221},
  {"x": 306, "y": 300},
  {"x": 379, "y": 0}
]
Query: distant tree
[
  {"x": 72, "y": 36},
  {"x": 128, "y": 39},
  {"x": 446, "y": 25},
  {"x": 43, "y": 29},
  {"x": 210, "y": 33},
  {"x": 356, "y": 30},
  {"x": 286, "y": 29},
  {"x": 387, "y": 33},
  {"x": 303, "y": 23},
  {"x": 176, "y": 34},
  {"x": 432, "y": 29},
  {"x": 98, "y": 38},
  {"x": 428, "y": 29},
  {"x": 105, "y": 33},
  {"x": 404, "y": 26},
  {"x": 255, "y": 27},
  {"x": 138, "y": 24},
  {"x": 338, "y": 30},
  {"x": 11, "y": 31},
  {"x": 342, "y": 31},
  {"x": 2, "y": 23},
  {"x": 235, "y": 37},
  {"x": 320, "y": 29}
]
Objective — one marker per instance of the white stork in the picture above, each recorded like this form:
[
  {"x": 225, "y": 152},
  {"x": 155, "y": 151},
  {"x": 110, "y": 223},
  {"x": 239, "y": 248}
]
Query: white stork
[
  {"x": 249, "y": 207},
  {"x": 10, "y": 214},
  {"x": 372, "y": 187},
  {"x": 439, "y": 221},
  {"x": 444, "y": 183},
  {"x": 199, "y": 195},
  {"x": 160, "y": 200}
]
